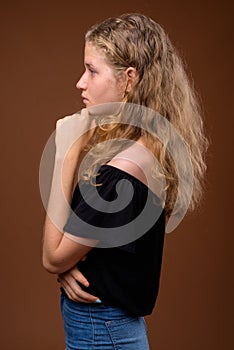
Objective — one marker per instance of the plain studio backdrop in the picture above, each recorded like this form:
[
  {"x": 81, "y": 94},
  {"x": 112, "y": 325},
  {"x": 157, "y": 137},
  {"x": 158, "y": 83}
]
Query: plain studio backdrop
[{"x": 41, "y": 60}]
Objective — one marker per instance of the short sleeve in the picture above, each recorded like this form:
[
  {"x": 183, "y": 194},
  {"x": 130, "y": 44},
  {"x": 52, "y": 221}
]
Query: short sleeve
[{"x": 116, "y": 212}]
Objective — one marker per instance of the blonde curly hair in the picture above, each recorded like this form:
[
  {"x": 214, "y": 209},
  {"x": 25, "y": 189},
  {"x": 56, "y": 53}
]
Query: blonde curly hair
[{"x": 134, "y": 40}]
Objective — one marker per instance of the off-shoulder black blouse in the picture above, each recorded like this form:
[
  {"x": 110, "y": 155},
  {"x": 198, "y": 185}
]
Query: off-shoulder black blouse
[{"x": 128, "y": 221}]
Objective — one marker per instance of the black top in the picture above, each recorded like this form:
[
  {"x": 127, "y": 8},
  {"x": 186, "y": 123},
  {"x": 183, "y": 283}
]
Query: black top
[{"x": 124, "y": 268}]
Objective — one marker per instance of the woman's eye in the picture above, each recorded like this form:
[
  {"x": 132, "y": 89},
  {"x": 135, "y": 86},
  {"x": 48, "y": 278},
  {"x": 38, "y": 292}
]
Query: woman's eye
[{"x": 92, "y": 71}]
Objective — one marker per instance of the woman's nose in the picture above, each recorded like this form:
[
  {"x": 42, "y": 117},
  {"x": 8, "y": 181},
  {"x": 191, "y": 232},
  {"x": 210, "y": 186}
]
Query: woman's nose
[{"x": 81, "y": 84}]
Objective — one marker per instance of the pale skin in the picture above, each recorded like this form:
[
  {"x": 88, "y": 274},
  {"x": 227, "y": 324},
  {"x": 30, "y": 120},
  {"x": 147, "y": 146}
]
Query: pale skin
[{"x": 98, "y": 85}]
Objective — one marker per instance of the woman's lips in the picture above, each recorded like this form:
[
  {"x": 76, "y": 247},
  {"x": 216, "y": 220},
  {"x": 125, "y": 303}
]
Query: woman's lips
[{"x": 85, "y": 100}]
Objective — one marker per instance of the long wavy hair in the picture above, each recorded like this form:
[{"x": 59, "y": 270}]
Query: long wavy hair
[{"x": 134, "y": 40}]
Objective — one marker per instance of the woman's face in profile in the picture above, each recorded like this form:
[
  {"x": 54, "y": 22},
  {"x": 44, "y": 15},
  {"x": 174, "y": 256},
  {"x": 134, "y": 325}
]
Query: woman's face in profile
[{"x": 98, "y": 84}]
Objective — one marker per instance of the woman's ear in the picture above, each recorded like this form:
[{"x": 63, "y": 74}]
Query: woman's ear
[{"x": 131, "y": 78}]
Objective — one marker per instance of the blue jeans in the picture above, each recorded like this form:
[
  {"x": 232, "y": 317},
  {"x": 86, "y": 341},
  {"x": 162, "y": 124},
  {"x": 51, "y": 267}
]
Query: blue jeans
[{"x": 99, "y": 327}]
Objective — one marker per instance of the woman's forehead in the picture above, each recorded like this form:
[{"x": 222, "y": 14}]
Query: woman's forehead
[{"x": 93, "y": 55}]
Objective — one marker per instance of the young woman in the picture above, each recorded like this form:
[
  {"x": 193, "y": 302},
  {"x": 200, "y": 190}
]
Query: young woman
[{"x": 109, "y": 260}]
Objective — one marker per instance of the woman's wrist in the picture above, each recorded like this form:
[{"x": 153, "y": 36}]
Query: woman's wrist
[{"x": 71, "y": 157}]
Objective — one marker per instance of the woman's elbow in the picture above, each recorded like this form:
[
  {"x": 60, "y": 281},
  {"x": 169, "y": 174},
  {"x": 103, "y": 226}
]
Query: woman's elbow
[{"x": 51, "y": 267}]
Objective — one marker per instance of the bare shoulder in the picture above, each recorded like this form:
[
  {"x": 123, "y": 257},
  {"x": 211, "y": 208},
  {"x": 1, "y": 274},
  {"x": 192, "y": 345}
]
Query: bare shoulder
[
  {"x": 129, "y": 167},
  {"x": 138, "y": 161}
]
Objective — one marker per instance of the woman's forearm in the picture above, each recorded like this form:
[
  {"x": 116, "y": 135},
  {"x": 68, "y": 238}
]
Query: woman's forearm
[
  {"x": 61, "y": 190},
  {"x": 61, "y": 252},
  {"x": 58, "y": 207}
]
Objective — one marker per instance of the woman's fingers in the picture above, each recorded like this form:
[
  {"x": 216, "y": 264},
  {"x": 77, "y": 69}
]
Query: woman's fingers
[
  {"x": 79, "y": 277},
  {"x": 77, "y": 294},
  {"x": 73, "y": 132},
  {"x": 69, "y": 281}
]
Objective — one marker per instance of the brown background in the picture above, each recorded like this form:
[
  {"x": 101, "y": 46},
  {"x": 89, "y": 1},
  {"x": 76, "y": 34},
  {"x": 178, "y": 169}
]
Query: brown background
[{"x": 41, "y": 59}]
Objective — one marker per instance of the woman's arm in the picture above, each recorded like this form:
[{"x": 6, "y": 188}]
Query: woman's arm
[{"x": 59, "y": 252}]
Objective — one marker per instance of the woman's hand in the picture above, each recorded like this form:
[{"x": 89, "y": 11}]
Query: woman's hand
[
  {"x": 73, "y": 133},
  {"x": 68, "y": 281}
]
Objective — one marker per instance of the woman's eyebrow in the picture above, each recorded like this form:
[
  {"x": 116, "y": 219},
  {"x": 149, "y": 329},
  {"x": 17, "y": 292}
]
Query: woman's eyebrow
[{"x": 89, "y": 65}]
